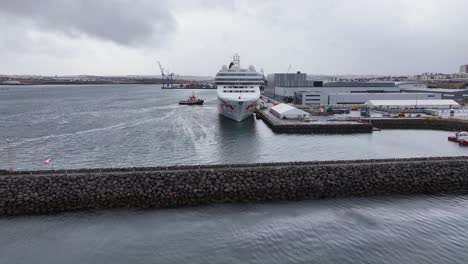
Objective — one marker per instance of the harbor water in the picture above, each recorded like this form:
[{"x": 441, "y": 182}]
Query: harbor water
[
  {"x": 384, "y": 230},
  {"x": 138, "y": 125},
  {"x": 143, "y": 125}
]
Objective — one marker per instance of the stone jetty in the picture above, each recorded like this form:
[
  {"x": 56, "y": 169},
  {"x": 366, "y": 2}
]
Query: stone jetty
[{"x": 39, "y": 192}]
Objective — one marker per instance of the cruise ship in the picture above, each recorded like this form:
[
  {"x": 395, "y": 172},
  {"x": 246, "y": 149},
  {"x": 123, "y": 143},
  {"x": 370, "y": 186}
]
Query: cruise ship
[{"x": 238, "y": 90}]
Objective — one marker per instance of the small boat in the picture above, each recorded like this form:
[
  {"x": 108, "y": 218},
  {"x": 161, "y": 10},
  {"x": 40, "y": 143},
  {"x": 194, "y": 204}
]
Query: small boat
[
  {"x": 192, "y": 100},
  {"x": 461, "y": 137}
]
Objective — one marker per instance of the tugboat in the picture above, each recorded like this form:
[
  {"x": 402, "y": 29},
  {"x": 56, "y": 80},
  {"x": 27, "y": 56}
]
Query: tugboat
[
  {"x": 460, "y": 137},
  {"x": 192, "y": 100}
]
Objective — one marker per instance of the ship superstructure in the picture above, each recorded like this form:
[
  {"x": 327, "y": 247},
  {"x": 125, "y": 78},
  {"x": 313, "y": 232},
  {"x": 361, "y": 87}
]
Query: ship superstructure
[{"x": 238, "y": 90}]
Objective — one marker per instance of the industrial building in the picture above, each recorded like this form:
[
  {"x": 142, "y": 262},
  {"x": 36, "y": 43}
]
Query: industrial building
[
  {"x": 285, "y": 111},
  {"x": 291, "y": 80},
  {"x": 296, "y": 87},
  {"x": 412, "y": 104},
  {"x": 284, "y": 85},
  {"x": 458, "y": 95},
  {"x": 464, "y": 68},
  {"x": 354, "y": 98}
]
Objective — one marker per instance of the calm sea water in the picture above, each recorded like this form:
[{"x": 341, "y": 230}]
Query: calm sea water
[
  {"x": 104, "y": 126},
  {"x": 142, "y": 125},
  {"x": 382, "y": 230}
]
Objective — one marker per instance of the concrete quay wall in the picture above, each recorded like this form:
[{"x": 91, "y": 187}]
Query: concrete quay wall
[
  {"x": 419, "y": 123},
  {"x": 311, "y": 128},
  {"x": 38, "y": 192}
]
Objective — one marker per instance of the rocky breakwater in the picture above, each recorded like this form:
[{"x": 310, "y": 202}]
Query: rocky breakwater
[{"x": 37, "y": 192}]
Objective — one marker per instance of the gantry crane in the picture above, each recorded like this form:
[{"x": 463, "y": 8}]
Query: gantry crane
[{"x": 167, "y": 77}]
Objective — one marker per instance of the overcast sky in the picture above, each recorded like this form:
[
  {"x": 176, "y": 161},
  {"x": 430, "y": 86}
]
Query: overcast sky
[{"x": 195, "y": 37}]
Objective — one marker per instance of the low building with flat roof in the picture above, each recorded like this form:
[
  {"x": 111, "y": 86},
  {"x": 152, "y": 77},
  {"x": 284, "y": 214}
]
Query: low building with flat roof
[
  {"x": 412, "y": 104},
  {"x": 355, "y": 98},
  {"x": 458, "y": 95}
]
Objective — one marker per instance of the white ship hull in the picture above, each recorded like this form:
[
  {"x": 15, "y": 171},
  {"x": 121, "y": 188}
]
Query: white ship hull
[
  {"x": 237, "y": 110},
  {"x": 238, "y": 90}
]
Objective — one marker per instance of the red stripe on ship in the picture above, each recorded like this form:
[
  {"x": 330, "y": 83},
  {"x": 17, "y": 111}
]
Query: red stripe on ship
[
  {"x": 224, "y": 104},
  {"x": 251, "y": 106}
]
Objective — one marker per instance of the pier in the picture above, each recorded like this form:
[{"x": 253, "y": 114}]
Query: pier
[
  {"x": 358, "y": 124},
  {"x": 293, "y": 126}
]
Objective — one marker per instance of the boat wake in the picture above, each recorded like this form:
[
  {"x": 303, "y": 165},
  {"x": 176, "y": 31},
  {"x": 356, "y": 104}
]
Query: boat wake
[{"x": 122, "y": 125}]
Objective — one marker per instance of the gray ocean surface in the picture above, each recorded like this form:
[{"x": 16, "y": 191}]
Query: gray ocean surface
[
  {"x": 418, "y": 229},
  {"x": 133, "y": 125},
  {"x": 142, "y": 125}
]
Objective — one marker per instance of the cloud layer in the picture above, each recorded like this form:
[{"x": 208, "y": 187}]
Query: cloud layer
[
  {"x": 121, "y": 21},
  {"x": 197, "y": 36}
]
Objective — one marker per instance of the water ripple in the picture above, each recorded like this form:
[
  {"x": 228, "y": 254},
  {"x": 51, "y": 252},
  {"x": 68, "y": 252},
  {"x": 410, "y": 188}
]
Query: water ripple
[{"x": 417, "y": 229}]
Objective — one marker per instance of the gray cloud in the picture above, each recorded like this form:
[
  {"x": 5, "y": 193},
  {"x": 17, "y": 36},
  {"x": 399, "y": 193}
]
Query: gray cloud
[
  {"x": 124, "y": 22},
  {"x": 197, "y": 36}
]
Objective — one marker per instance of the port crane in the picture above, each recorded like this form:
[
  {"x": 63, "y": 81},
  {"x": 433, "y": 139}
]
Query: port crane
[{"x": 167, "y": 78}]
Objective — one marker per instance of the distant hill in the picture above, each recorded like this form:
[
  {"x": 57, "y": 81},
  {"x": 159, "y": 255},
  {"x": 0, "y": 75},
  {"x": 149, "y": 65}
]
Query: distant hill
[{"x": 95, "y": 79}]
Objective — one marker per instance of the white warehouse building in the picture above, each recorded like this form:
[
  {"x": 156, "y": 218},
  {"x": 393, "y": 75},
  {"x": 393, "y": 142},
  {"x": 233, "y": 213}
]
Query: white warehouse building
[
  {"x": 412, "y": 104},
  {"x": 287, "y": 112}
]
